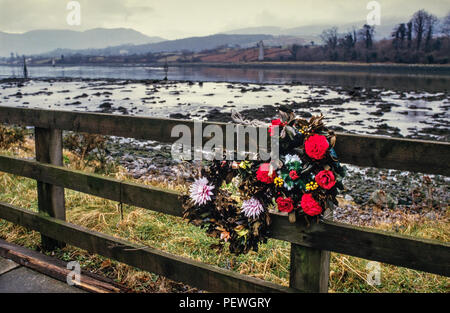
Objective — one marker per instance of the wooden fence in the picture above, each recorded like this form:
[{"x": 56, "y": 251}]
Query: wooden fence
[{"x": 310, "y": 246}]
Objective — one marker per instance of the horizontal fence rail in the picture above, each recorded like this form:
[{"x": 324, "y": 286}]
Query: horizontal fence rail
[
  {"x": 208, "y": 277},
  {"x": 412, "y": 252},
  {"x": 363, "y": 150}
]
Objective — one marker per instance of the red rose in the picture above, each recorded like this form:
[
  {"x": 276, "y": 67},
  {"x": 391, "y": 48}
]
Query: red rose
[
  {"x": 263, "y": 174},
  {"x": 310, "y": 206},
  {"x": 325, "y": 179},
  {"x": 316, "y": 146},
  {"x": 276, "y": 122},
  {"x": 285, "y": 204},
  {"x": 293, "y": 175}
]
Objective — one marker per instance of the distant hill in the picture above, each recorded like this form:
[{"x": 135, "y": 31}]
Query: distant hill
[
  {"x": 40, "y": 41},
  {"x": 271, "y": 30},
  {"x": 193, "y": 44},
  {"x": 312, "y": 32}
]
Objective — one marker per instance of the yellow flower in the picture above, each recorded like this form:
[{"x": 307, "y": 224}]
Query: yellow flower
[
  {"x": 312, "y": 186},
  {"x": 303, "y": 129},
  {"x": 245, "y": 164},
  {"x": 278, "y": 181}
]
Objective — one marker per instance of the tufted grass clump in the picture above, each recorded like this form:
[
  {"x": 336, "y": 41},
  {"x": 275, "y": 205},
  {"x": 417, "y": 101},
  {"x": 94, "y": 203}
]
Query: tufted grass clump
[{"x": 11, "y": 135}]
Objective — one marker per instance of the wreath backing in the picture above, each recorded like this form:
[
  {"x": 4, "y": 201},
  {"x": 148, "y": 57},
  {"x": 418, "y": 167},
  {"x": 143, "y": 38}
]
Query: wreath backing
[{"x": 232, "y": 200}]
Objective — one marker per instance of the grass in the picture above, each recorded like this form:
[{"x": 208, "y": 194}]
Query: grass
[{"x": 172, "y": 234}]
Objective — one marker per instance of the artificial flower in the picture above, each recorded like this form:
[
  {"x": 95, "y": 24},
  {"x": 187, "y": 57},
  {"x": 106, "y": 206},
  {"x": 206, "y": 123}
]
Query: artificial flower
[
  {"x": 252, "y": 208},
  {"x": 201, "y": 191},
  {"x": 289, "y": 158},
  {"x": 310, "y": 205},
  {"x": 245, "y": 165},
  {"x": 285, "y": 204},
  {"x": 265, "y": 173},
  {"x": 225, "y": 236},
  {"x": 293, "y": 175},
  {"x": 316, "y": 146},
  {"x": 275, "y": 123},
  {"x": 278, "y": 181},
  {"x": 311, "y": 186},
  {"x": 325, "y": 179}
]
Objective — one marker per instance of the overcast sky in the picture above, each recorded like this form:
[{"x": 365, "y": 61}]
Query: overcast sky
[{"x": 173, "y": 19}]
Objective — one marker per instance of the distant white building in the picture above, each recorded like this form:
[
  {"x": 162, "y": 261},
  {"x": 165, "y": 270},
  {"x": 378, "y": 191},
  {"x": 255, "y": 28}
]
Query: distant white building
[{"x": 261, "y": 51}]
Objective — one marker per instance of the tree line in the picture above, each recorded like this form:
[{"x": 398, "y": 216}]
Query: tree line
[{"x": 420, "y": 40}]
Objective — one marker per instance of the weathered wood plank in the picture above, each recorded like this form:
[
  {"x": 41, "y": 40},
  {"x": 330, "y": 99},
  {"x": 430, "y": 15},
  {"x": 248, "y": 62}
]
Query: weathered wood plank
[
  {"x": 57, "y": 269},
  {"x": 158, "y": 129},
  {"x": 197, "y": 274},
  {"x": 7, "y": 265},
  {"x": 412, "y": 252},
  {"x": 152, "y": 198},
  {"x": 51, "y": 200},
  {"x": 394, "y": 153},
  {"x": 363, "y": 150},
  {"x": 309, "y": 269}
]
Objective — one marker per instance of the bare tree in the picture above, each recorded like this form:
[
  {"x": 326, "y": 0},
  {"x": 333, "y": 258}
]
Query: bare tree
[
  {"x": 366, "y": 34},
  {"x": 430, "y": 23},
  {"x": 409, "y": 33},
  {"x": 348, "y": 41},
  {"x": 419, "y": 23},
  {"x": 399, "y": 35},
  {"x": 330, "y": 38}
]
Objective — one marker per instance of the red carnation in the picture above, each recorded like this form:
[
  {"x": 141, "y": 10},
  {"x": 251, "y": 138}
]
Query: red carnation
[
  {"x": 325, "y": 179},
  {"x": 310, "y": 206},
  {"x": 316, "y": 146},
  {"x": 276, "y": 122},
  {"x": 263, "y": 174},
  {"x": 293, "y": 175},
  {"x": 285, "y": 204}
]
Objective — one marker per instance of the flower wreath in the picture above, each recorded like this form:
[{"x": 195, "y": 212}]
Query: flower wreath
[{"x": 306, "y": 183}]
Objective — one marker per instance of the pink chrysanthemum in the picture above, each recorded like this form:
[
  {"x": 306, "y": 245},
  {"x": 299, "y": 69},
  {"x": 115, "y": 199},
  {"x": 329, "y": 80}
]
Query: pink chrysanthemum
[
  {"x": 252, "y": 208},
  {"x": 200, "y": 191}
]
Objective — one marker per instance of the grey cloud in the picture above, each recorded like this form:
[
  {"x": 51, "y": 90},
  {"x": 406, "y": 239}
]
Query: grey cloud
[{"x": 173, "y": 18}]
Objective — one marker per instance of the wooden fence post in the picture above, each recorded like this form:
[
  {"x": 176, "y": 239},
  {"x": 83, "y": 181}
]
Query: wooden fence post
[
  {"x": 309, "y": 269},
  {"x": 50, "y": 197}
]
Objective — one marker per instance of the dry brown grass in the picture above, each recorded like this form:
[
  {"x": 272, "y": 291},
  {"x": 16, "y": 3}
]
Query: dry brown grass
[{"x": 172, "y": 234}]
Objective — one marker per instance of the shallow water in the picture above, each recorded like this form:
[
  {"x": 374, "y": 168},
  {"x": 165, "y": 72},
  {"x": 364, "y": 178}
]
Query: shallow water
[{"x": 418, "y": 82}]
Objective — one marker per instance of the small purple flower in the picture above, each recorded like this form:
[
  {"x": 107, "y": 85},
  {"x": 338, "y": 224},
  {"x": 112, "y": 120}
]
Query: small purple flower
[
  {"x": 200, "y": 191},
  {"x": 252, "y": 208}
]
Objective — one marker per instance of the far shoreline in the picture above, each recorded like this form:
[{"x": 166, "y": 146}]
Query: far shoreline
[
  {"x": 349, "y": 67},
  {"x": 382, "y": 68}
]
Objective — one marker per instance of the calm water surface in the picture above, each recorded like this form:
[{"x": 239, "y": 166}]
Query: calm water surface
[{"x": 431, "y": 83}]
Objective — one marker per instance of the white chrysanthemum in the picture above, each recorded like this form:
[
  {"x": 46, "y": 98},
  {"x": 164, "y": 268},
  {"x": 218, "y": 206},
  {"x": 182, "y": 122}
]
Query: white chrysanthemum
[
  {"x": 200, "y": 191},
  {"x": 252, "y": 208},
  {"x": 291, "y": 158}
]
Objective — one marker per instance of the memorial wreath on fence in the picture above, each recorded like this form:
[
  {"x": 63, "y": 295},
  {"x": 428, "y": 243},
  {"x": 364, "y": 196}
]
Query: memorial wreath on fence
[{"x": 232, "y": 200}]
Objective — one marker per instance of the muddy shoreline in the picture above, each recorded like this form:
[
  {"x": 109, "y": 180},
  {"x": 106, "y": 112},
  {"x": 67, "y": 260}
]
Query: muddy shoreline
[{"x": 414, "y": 114}]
